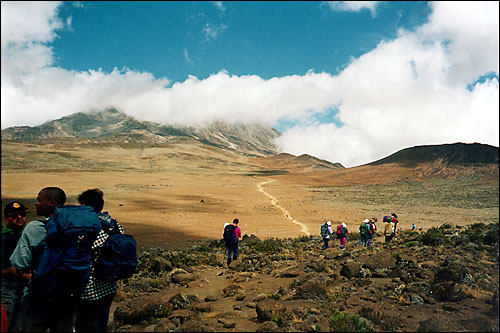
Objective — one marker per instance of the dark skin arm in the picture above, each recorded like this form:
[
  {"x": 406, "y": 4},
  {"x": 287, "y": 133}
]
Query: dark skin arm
[{"x": 11, "y": 271}]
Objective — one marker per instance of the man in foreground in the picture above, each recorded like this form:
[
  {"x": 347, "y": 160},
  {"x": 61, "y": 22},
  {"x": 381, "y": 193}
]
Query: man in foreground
[
  {"x": 13, "y": 282},
  {"x": 38, "y": 312}
]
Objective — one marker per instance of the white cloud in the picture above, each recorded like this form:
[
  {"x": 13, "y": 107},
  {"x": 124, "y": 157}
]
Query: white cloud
[
  {"x": 186, "y": 57},
  {"x": 353, "y": 6},
  {"x": 406, "y": 92},
  {"x": 212, "y": 31},
  {"x": 219, "y": 5}
]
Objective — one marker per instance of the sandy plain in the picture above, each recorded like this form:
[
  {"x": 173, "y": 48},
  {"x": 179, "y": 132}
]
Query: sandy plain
[{"x": 185, "y": 190}]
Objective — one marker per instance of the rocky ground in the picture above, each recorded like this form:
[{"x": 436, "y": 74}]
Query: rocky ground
[{"x": 443, "y": 279}]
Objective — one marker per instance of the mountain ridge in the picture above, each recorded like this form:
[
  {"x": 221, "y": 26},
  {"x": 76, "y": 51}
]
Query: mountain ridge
[
  {"x": 466, "y": 154},
  {"x": 112, "y": 124}
]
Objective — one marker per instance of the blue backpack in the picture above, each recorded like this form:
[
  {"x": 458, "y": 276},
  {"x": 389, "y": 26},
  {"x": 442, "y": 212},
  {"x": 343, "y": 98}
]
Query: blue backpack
[
  {"x": 118, "y": 256},
  {"x": 229, "y": 236},
  {"x": 65, "y": 264}
]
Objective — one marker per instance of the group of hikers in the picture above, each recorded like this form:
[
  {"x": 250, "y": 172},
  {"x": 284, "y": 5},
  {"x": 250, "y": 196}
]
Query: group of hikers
[
  {"x": 60, "y": 273},
  {"x": 367, "y": 231}
]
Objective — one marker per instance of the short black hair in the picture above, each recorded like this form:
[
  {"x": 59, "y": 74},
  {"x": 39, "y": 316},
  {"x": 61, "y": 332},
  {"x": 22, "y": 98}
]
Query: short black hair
[
  {"x": 394, "y": 215},
  {"x": 236, "y": 221},
  {"x": 92, "y": 198},
  {"x": 54, "y": 193}
]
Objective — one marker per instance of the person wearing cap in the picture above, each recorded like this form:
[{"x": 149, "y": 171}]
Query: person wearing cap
[
  {"x": 342, "y": 234},
  {"x": 326, "y": 231},
  {"x": 364, "y": 232},
  {"x": 13, "y": 282}
]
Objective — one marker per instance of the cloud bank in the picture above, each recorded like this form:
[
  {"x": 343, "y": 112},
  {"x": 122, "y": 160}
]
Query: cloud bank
[{"x": 438, "y": 84}]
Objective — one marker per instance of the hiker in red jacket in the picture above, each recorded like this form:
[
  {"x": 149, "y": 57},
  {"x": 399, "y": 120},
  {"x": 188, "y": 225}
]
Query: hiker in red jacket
[{"x": 342, "y": 234}]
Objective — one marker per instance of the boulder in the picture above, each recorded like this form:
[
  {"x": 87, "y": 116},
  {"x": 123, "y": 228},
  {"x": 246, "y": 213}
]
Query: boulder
[
  {"x": 231, "y": 290},
  {"x": 312, "y": 288},
  {"x": 160, "y": 264},
  {"x": 350, "y": 269},
  {"x": 448, "y": 291},
  {"x": 140, "y": 309},
  {"x": 179, "y": 301},
  {"x": 378, "y": 261},
  {"x": 184, "y": 278},
  {"x": 267, "y": 309}
]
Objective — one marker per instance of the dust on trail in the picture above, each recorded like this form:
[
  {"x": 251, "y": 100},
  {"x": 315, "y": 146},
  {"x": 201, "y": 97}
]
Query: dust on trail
[{"x": 274, "y": 202}]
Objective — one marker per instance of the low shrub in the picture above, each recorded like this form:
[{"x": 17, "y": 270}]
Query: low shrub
[{"x": 343, "y": 322}]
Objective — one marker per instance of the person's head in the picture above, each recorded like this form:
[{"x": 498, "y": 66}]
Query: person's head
[
  {"x": 15, "y": 215},
  {"x": 236, "y": 221},
  {"x": 344, "y": 225},
  {"x": 48, "y": 199},
  {"x": 92, "y": 198},
  {"x": 329, "y": 223},
  {"x": 366, "y": 221},
  {"x": 394, "y": 215}
]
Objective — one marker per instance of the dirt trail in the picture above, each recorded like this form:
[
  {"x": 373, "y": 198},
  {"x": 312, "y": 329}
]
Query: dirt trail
[{"x": 286, "y": 213}]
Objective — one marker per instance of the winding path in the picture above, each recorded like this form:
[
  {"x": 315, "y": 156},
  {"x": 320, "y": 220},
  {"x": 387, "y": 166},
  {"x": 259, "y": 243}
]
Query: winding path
[{"x": 274, "y": 202}]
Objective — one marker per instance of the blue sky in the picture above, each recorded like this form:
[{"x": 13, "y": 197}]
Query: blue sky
[
  {"x": 269, "y": 39},
  {"x": 350, "y": 82}
]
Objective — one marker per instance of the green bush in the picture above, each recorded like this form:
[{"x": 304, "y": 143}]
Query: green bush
[
  {"x": 343, "y": 322},
  {"x": 272, "y": 245},
  {"x": 432, "y": 237}
]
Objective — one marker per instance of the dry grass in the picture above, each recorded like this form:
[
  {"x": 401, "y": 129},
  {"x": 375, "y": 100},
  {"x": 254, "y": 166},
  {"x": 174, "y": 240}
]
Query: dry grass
[{"x": 186, "y": 190}]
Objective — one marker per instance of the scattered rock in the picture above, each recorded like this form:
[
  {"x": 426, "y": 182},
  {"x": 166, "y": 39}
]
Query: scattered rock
[
  {"x": 436, "y": 323},
  {"x": 268, "y": 326},
  {"x": 195, "y": 325},
  {"x": 184, "y": 278},
  {"x": 350, "y": 269},
  {"x": 182, "y": 316},
  {"x": 231, "y": 290},
  {"x": 138, "y": 310}
]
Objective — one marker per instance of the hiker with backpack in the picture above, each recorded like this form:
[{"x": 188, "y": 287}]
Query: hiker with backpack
[
  {"x": 56, "y": 251},
  {"x": 342, "y": 234},
  {"x": 364, "y": 232},
  {"x": 13, "y": 282},
  {"x": 372, "y": 229},
  {"x": 93, "y": 307},
  {"x": 232, "y": 235},
  {"x": 390, "y": 227},
  {"x": 326, "y": 231}
]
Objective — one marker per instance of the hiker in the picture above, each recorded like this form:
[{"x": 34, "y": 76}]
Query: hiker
[
  {"x": 363, "y": 232},
  {"x": 413, "y": 227},
  {"x": 395, "y": 221},
  {"x": 326, "y": 231},
  {"x": 372, "y": 229},
  {"x": 388, "y": 230},
  {"x": 92, "y": 311},
  {"x": 232, "y": 235},
  {"x": 13, "y": 282},
  {"x": 56, "y": 251},
  {"x": 342, "y": 234},
  {"x": 38, "y": 313}
]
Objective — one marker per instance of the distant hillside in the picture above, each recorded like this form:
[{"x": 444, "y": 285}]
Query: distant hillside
[
  {"x": 115, "y": 125},
  {"x": 303, "y": 162},
  {"x": 455, "y": 154}
]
